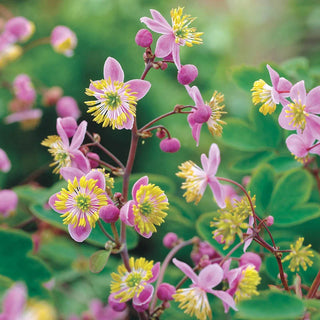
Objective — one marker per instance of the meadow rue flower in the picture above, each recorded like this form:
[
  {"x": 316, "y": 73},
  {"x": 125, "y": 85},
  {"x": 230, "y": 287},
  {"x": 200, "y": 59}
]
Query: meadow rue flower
[
  {"x": 28, "y": 119},
  {"x": 24, "y": 89},
  {"x": 116, "y": 100},
  {"x": 250, "y": 258},
  {"x": 268, "y": 95},
  {"x": 135, "y": 284},
  {"x": 147, "y": 209},
  {"x": 179, "y": 34},
  {"x": 80, "y": 203},
  {"x": 67, "y": 154},
  {"x": 20, "y": 28},
  {"x": 5, "y": 164},
  {"x": 203, "y": 249},
  {"x": 8, "y": 203},
  {"x": 144, "y": 38},
  {"x": 194, "y": 299},
  {"x": 197, "y": 179},
  {"x": 63, "y": 40},
  {"x": 9, "y": 53},
  {"x": 187, "y": 74},
  {"x": 68, "y": 107},
  {"x": 299, "y": 256},
  {"x": 205, "y": 112},
  {"x": 301, "y": 113},
  {"x": 170, "y": 145}
]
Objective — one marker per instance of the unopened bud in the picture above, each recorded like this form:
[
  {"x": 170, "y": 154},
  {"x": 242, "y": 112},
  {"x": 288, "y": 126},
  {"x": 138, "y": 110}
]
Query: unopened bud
[
  {"x": 51, "y": 96},
  {"x": 170, "y": 240},
  {"x": 96, "y": 138},
  {"x": 161, "y": 133},
  {"x": 250, "y": 258},
  {"x": 92, "y": 159},
  {"x": 170, "y": 145},
  {"x": 269, "y": 221},
  {"x": 68, "y": 107},
  {"x": 144, "y": 38},
  {"x": 115, "y": 304},
  {"x": 187, "y": 74},
  {"x": 109, "y": 213},
  {"x": 165, "y": 291},
  {"x": 163, "y": 65}
]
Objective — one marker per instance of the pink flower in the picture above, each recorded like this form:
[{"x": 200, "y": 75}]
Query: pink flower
[
  {"x": 28, "y": 119},
  {"x": 146, "y": 209},
  {"x": 116, "y": 100},
  {"x": 301, "y": 114},
  {"x": 68, "y": 107},
  {"x": 187, "y": 74},
  {"x": 23, "y": 89},
  {"x": 197, "y": 178},
  {"x": 179, "y": 34},
  {"x": 170, "y": 145},
  {"x": 5, "y": 164},
  {"x": 63, "y": 40},
  {"x": 8, "y": 203},
  {"x": 194, "y": 299},
  {"x": 20, "y": 28}
]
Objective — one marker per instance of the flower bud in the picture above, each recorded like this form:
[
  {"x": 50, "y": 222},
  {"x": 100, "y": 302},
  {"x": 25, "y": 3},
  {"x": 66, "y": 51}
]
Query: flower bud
[
  {"x": 144, "y": 38},
  {"x": 115, "y": 304},
  {"x": 170, "y": 240},
  {"x": 250, "y": 258},
  {"x": 8, "y": 203},
  {"x": 202, "y": 114},
  {"x": 170, "y": 145},
  {"x": 165, "y": 291},
  {"x": 161, "y": 133},
  {"x": 187, "y": 74},
  {"x": 5, "y": 164},
  {"x": 93, "y": 163},
  {"x": 163, "y": 66},
  {"x": 69, "y": 125},
  {"x": 51, "y": 96},
  {"x": 63, "y": 40},
  {"x": 109, "y": 213},
  {"x": 23, "y": 89},
  {"x": 269, "y": 221},
  {"x": 68, "y": 107},
  {"x": 20, "y": 28}
]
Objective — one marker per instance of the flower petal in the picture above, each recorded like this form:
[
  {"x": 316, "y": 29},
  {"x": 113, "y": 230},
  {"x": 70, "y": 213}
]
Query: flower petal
[
  {"x": 99, "y": 176},
  {"x": 143, "y": 181},
  {"x": 218, "y": 191},
  {"x": 79, "y": 233},
  {"x": 284, "y": 87},
  {"x": 141, "y": 87},
  {"x": 186, "y": 269},
  {"x": 14, "y": 302},
  {"x": 313, "y": 100},
  {"x": 164, "y": 45},
  {"x": 126, "y": 213},
  {"x": 176, "y": 55},
  {"x": 313, "y": 124},
  {"x": 214, "y": 159},
  {"x": 78, "y": 136},
  {"x": 157, "y": 16},
  {"x": 196, "y": 96},
  {"x": 296, "y": 145},
  {"x": 285, "y": 121},
  {"x": 156, "y": 26},
  {"x": 62, "y": 133},
  {"x": 79, "y": 161},
  {"x": 69, "y": 173},
  {"x": 298, "y": 92},
  {"x": 204, "y": 162},
  {"x": 274, "y": 76},
  {"x": 225, "y": 297},
  {"x": 52, "y": 201},
  {"x": 112, "y": 69},
  {"x": 144, "y": 296},
  {"x": 210, "y": 276},
  {"x": 195, "y": 128},
  {"x": 155, "y": 272}
]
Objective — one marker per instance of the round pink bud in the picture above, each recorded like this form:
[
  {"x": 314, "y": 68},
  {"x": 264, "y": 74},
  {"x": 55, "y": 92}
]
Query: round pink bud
[
  {"x": 5, "y": 164},
  {"x": 115, "y": 304},
  {"x": 170, "y": 239},
  {"x": 202, "y": 114},
  {"x": 93, "y": 163},
  {"x": 269, "y": 221},
  {"x": 250, "y": 258},
  {"x": 163, "y": 66},
  {"x": 68, "y": 107},
  {"x": 170, "y": 145},
  {"x": 109, "y": 213},
  {"x": 20, "y": 28},
  {"x": 69, "y": 125},
  {"x": 165, "y": 291},
  {"x": 8, "y": 203},
  {"x": 63, "y": 40},
  {"x": 161, "y": 133},
  {"x": 144, "y": 38},
  {"x": 187, "y": 74},
  {"x": 51, "y": 96}
]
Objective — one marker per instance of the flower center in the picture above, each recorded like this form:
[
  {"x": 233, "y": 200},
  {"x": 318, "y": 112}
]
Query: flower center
[
  {"x": 145, "y": 208},
  {"x": 83, "y": 202},
  {"x": 113, "y": 100},
  {"x": 133, "y": 279},
  {"x": 298, "y": 114}
]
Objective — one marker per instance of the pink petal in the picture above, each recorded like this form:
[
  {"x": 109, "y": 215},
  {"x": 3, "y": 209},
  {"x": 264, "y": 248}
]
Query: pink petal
[
  {"x": 158, "y": 17},
  {"x": 126, "y": 213},
  {"x": 144, "y": 234},
  {"x": 112, "y": 69},
  {"x": 14, "y": 302},
  {"x": 155, "y": 272},
  {"x": 225, "y": 297},
  {"x": 214, "y": 159},
  {"x": 176, "y": 55},
  {"x": 141, "y": 87},
  {"x": 144, "y": 296},
  {"x": 79, "y": 161},
  {"x": 210, "y": 276},
  {"x": 164, "y": 45},
  {"x": 99, "y": 176},
  {"x": 128, "y": 124},
  {"x": 79, "y": 135},
  {"x": 143, "y": 181},
  {"x": 298, "y": 92},
  {"x": 313, "y": 100},
  {"x": 62, "y": 133},
  {"x": 296, "y": 145},
  {"x": 186, "y": 269},
  {"x": 284, "y": 87},
  {"x": 247, "y": 242},
  {"x": 313, "y": 124},
  {"x": 69, "y": 173},
  {"x": 204, "y": 162},
  {"x": 52, "y": 201},
  {"x": 155, "y": 26},
  {"x": 196, "y": 96},
  {"x": 218, "y": 191},
  {"x": 195, "y": 128},
  {"x": 78, "y": 233},
  {"x": 274, "y": 76},
  {"x": 226, "y": 267},
  {"x": 284, "y": 120}
]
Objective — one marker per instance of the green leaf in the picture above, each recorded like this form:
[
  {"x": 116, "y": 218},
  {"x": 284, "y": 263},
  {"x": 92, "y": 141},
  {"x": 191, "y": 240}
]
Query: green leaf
[
  {"x": 19, "y": 264},
  {"x": 98, "y": 260},
  {"x": 271, "y": 305},
  {"x": 247, "y": 164},
  {"x": 261, "y": 185},
  {"x": 284, "y": 163}
]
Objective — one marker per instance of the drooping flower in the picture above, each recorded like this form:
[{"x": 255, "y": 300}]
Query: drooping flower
[
  {"x": 197, "y": 179},
  {"x": 299, "y": 256},
  {"x": 301, "y": 113},
  {"x": 28, "y": 119},
  {"x": 68, "y": 107},
  {"x": 20, "y": 28},
  {"x": 214, "y": 109},
  {"x": 179, "y": 34},
  {"x": 24, "y": 89},
  {"x": 63, "y": 40},
  {"x": 194, "y": 299},
  {"x": 147, "y": 209},
  {"x": 66, "y": 154},
  {"x": 5, "y": 164},
  {"x": 115, "y": 103},
  {"x": 268, "y": 95},
  {"x": 80, "y": 203},
  {"x": 135, "y": 284}
]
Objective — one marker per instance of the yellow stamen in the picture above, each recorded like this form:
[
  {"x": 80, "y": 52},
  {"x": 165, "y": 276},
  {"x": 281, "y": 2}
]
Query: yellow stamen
[
  {"x": 215, "y": 123},
  {"x": 298, "y": 114},
  {"x": 262, "y": 93}
]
